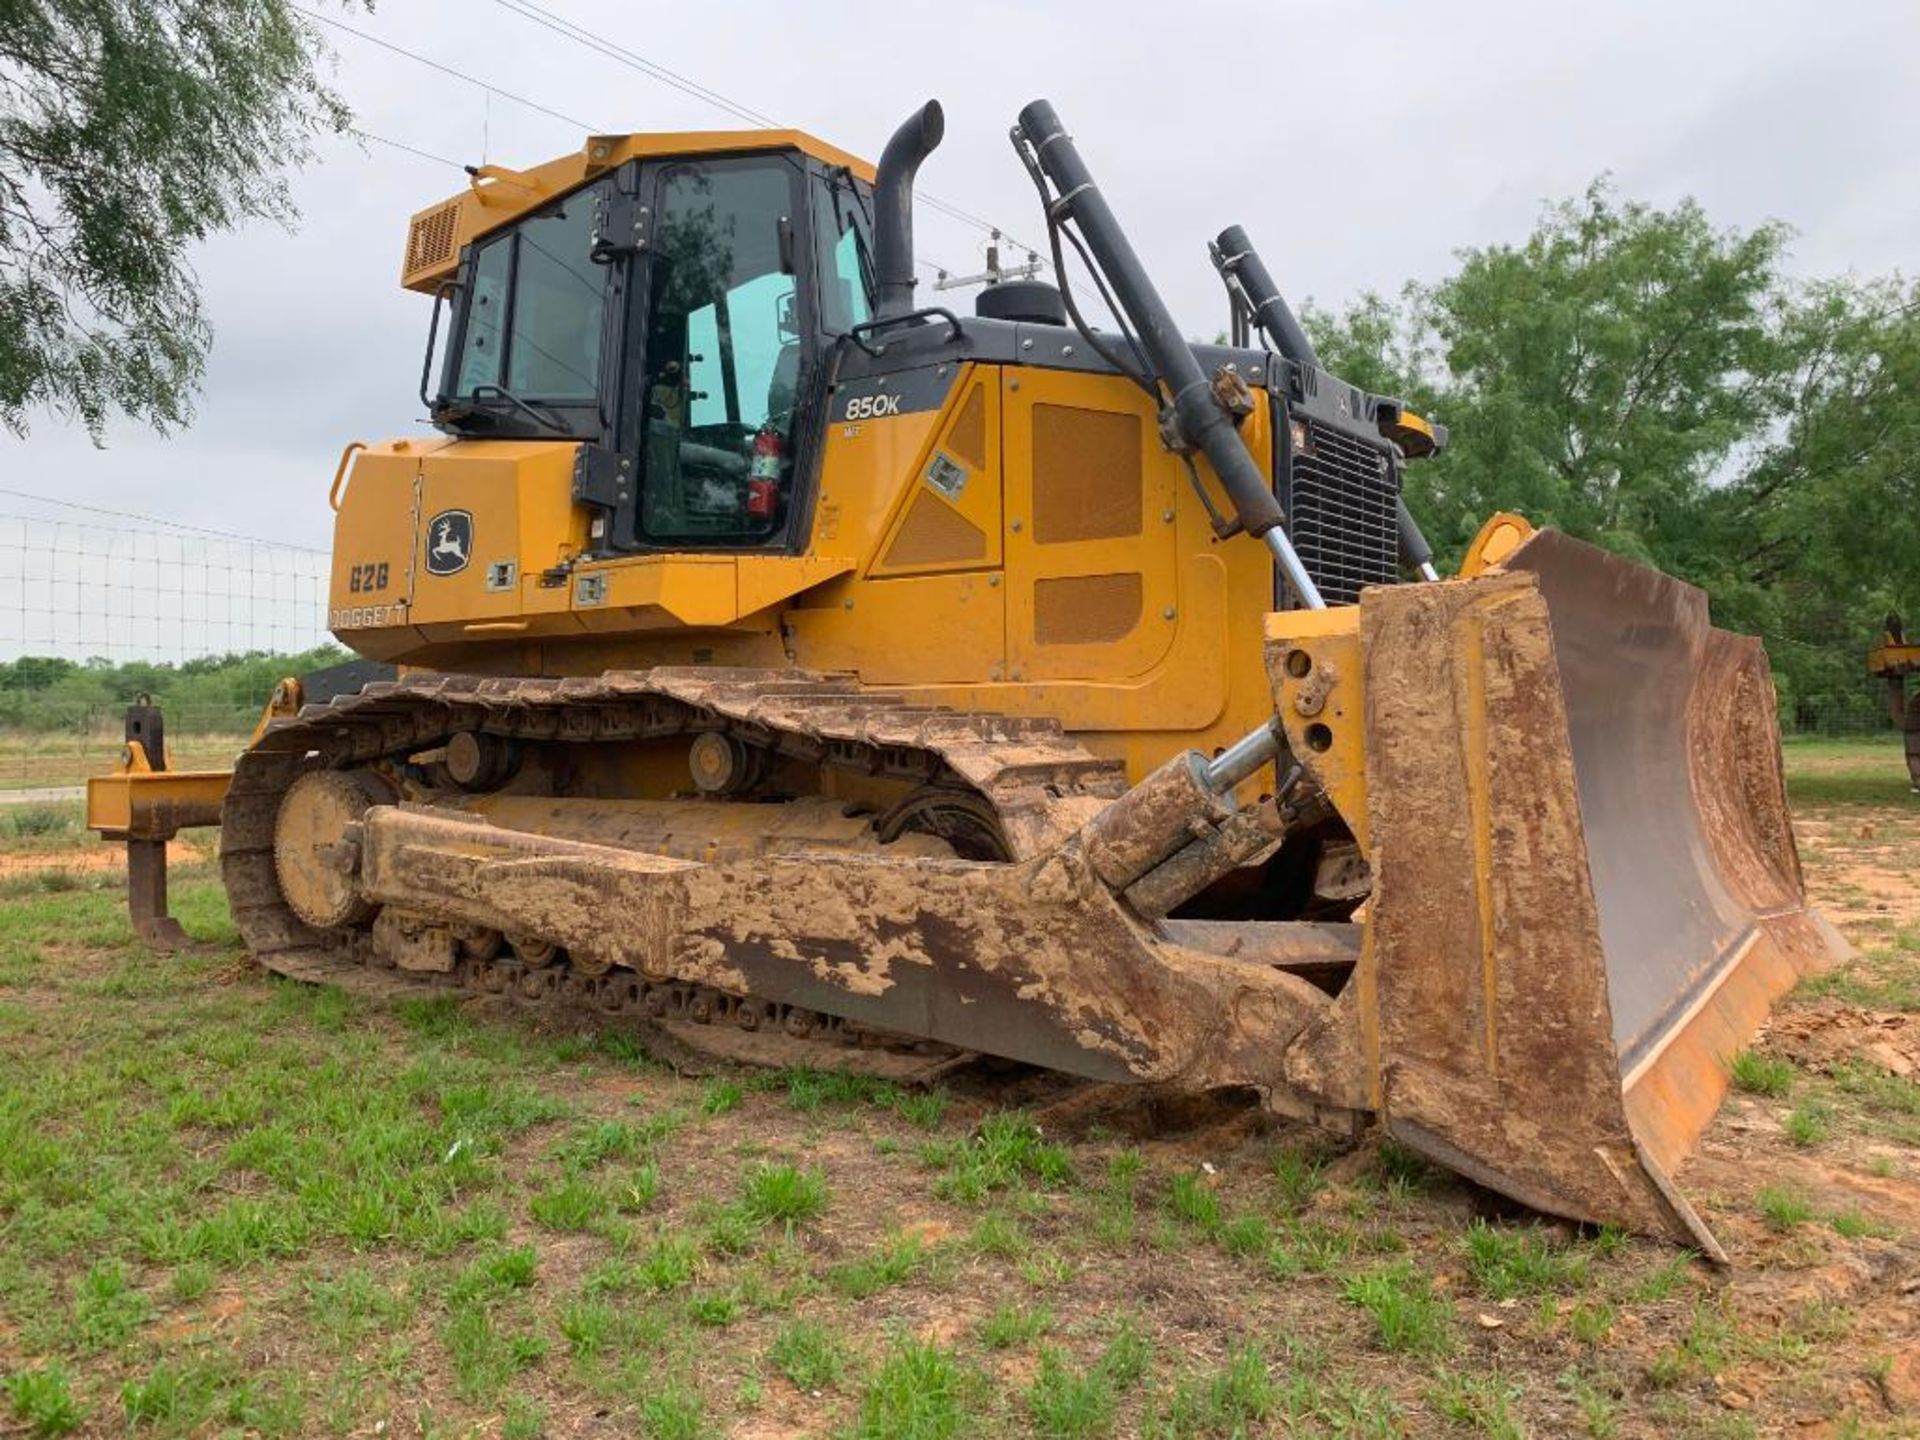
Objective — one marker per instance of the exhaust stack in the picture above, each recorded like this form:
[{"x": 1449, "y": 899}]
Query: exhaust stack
[{"x": 918, "y": 138}]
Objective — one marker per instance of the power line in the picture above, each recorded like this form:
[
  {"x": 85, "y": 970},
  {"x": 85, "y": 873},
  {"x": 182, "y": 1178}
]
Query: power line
[
  {"x": 152, "y": 520},
  {"x": 629, "y": 58},
  {"x": 580, "y": 34},
  {"x": 578, "y": 124},
  {"x": 560, "y": 25}
]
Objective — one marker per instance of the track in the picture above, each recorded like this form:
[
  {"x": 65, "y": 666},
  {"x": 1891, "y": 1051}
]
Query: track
[{"x": 1037, "y": 783}]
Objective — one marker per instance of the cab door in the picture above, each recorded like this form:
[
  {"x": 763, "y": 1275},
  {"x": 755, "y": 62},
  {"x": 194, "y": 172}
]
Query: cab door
[
  {"x": 1092, "y": 588},
  {"x": 728, "y": 350}
]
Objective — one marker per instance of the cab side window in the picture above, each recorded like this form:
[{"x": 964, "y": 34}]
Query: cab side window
[
  {"x": 723, "y": 351},
  {"x": 845, "y": 262}
]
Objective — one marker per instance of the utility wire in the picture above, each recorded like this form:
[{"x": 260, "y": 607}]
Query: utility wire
[
  {"x": 577, "y": 123},
  {"x": 626, "y": 57},
  {"x": 580, "y": 34},
  {"x": 560, "y": 25},
  {"x": 924, "y": 263}
]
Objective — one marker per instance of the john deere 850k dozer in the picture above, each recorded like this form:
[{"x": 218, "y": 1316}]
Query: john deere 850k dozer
[{"x": 778, "y": 655}]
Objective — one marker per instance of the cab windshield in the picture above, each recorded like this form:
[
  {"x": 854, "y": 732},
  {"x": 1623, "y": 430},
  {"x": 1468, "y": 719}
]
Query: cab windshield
[{"x": 534, "y": 325}]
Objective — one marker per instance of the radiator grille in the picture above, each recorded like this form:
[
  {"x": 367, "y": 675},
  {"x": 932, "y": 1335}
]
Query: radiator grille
[{"x": 1343, "y": 518}]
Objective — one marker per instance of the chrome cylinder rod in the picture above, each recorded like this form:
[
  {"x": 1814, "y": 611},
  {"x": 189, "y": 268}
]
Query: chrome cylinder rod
[
  {"x": 1293, "y": 568},
  {"x": 1243, "y": 757}
]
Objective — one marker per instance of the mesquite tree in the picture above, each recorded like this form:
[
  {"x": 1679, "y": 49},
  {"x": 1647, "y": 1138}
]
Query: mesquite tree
[{"x": 129, "y": 130}]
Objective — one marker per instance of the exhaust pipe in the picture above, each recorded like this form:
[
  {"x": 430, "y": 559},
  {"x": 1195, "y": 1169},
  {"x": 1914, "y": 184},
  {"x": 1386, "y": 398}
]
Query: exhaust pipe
[{"x": 893, "y": 206}]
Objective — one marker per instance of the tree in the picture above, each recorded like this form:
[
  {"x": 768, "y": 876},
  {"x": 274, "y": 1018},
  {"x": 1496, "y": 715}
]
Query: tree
[
  {"x": 1646, "y": 381},
  {"x": 129, "y": 130}
]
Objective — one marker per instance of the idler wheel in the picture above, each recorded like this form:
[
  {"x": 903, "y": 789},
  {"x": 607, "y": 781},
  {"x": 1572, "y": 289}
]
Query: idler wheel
[{"x": 316, "y": 849}]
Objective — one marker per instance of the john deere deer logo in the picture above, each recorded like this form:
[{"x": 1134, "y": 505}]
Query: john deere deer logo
[{"x": 449, "y": 542}]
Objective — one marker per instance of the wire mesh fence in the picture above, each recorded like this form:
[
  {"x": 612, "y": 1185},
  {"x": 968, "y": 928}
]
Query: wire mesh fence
[
  {"x": 91, "y": 590},
  {"x": 1850, "y": 717},
  {"x": 95, "y": 612},
  {"x": 97, "y": 608}
]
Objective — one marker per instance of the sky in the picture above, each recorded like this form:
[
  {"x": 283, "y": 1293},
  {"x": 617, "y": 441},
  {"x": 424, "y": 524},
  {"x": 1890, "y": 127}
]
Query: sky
[{"x": 1372, "y": 141}]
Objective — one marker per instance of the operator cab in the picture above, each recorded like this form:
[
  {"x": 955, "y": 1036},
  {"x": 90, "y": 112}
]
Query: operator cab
[{"x": 675, "y": 319}]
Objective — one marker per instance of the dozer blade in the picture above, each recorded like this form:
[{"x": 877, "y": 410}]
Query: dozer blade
[{"x": 1587, "y": 892}]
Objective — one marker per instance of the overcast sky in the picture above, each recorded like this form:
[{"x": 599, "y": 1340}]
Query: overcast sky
[{"x": 1360, "y": 144}]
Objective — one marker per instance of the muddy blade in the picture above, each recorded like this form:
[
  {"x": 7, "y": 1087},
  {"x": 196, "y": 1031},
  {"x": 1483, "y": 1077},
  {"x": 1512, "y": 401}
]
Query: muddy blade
[{"x": 1588, "y": 894}]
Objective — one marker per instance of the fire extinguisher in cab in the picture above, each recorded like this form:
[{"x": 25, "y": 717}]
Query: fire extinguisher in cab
[{"x": 763, "y": 476}]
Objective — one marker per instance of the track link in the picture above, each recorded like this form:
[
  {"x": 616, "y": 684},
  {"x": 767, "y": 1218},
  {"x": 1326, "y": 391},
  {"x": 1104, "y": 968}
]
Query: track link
[{"x": 1038, "y": 783}]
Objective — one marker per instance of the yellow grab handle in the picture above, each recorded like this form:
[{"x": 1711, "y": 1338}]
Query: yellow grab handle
[{"x": 340, "y": 472}]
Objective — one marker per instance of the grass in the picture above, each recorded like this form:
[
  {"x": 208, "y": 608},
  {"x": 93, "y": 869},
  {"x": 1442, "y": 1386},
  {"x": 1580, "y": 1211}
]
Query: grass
[
  {"x": 1234, "y": 1399},
  {"x": 42, "y": 1401},
  {"x": 1809, "y": 1123},
  {"x": 1856, "y": 772},
  {"x": 234, "y": 1205},
  {"x": 888, "y": 1264},
  {"x": 919, "y": 1391},
  {"x": 1482, "y": 1403},
  {"x": 1005, "y": 1152},
  {"x": 1782, "y": 1207},
  {"x": 1506, "y": 1262},
  {"x": 810, "y": 1354},
  {"x": 1758, "y": 1074},
  {"x": 783, "y": 1193},
  {"x": 1193, "y": 1201},
  {"x": 1408, "y": 1315},
  {"x": 1012, "y": 1325}
]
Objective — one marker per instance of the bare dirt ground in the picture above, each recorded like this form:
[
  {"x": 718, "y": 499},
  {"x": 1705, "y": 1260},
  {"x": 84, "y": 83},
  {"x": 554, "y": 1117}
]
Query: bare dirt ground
[{"x": 230, "y": 1204}]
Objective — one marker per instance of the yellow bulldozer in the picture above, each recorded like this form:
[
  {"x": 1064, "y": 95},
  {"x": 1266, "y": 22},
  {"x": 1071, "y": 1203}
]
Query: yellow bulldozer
[
  {"x": 1891, "y": 661},
  {"x": 775, "y": 654}
]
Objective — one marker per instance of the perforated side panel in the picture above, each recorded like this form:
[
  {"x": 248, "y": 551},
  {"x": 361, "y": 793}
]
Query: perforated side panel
[
  {"x": 430, "y": 239},
  {"x": 934, "y": 533},
  {"x": 1085, "y": 609},
  {"x": 968, "y": 437},
  {"x": 1086, "y": 475}
]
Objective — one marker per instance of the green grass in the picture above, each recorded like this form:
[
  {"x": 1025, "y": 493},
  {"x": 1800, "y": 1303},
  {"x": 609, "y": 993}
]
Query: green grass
[
  {"x": 810, "y": 1354},
  {"x": 569, "y": 1204},
  {"x": 1504, "y": 1262},
  {"x": 1408, "y": 1315},
  {"x": 1235, "y": 1399},
  {"x": 1193, "y": 1201},
  {"x": 1809, "y": 1123},
  {"x": 1067, "y": 1401},
  {"x": 37, "y": 821},
  {"x": 1004, "y": 1153},
  {"x": 673, "y": 1413},
  {"x": 1759, "y": 1074},
  {"x": 721, "y": 1095},
  {"x": 1298, "y": 1176},
  {"x": 1482, "y": 1403},
  {"x": 783, "y": 1193},
  {"x": 1862, "y": 771},
  {"x": 1782, "y": 1207},
  {"x": 42, "y": 1401},
  {"x": 1010, "y": 1325},
  {"x": 919, "y": 1391},
  {"x": 888, "y": 1264},
  {"x": 544, "y": 1230}
]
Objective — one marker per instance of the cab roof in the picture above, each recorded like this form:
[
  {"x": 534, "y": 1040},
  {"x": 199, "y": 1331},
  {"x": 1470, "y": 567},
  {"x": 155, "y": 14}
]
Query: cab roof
[{"x": 496, "y": 196}]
